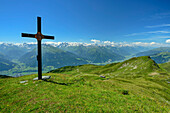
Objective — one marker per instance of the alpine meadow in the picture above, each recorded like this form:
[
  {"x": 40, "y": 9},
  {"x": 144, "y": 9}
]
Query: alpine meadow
[{"x": 135, "y": 85}]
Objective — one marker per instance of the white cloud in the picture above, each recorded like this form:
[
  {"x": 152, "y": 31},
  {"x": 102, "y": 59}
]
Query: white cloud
[
  {"x": 150, "y": 32},
  {"x": 95, "y": 41},
  {"x": 146, "y": 44},
  {"x": 158, "y": 16},
  {"x": 155, "y": 38},
  {"x": 18, "y": 44},
  {"x": 161, "y": 25},
  {"x": 153, "y": 43},
  {"x": 31, "y": 42},
  {"x": 103, "y": 43},
  {"x": 108, "y": 42},
  {"x": 138, "y": 43},
  {"x": 163, "y": 37},
  {"x": 154, "y": 32},
  {"x": 51, "y": 42},
  {"x": 168, "y": 41}
]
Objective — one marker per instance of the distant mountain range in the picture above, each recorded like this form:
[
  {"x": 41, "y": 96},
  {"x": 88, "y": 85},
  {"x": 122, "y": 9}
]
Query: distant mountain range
[
  {"x": 13, "y": 51},
  {"x": 52, "y": 56},
  {"x": 95, "y": 54},
  {"x": 153, "y": 51},
  {"x": 160, "y": 55},
  {"x": 72, "y": 54},
  {"x": 16, "y": 51}
]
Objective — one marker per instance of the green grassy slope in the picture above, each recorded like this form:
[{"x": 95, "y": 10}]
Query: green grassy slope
[
  {"x": 166, "y": 66},
  {"x": 131, "y": 68},
  {"x": 136, "y": 85}
]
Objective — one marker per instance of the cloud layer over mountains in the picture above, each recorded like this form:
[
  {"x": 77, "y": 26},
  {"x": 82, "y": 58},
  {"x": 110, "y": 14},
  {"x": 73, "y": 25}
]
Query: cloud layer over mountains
[{"x": 96, "y": 42}]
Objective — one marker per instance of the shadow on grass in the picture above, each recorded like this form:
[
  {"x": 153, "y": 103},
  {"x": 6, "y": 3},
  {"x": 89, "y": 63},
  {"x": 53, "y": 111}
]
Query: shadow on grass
[
  {"x": 66, "y": 84},
  {"x": 5, "y": 76}
]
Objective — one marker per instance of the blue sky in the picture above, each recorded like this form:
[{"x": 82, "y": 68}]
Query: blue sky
[{"x": 84, "y": 20}]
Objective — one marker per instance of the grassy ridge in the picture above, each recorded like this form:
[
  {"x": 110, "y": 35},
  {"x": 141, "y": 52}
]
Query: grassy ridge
[
  {"x": 166, "y": 66},
  {"x": 129, "y": 68},
  {"x": 81, "y": 89}
]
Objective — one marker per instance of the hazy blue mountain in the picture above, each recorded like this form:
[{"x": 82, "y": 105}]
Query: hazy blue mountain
[
  {"x": 52, "y": 56},
  {"x": 127, "y": 50},
  {"x": 6, "y": 64},
  {"x": 154, "y": 51},
  {"x": 95, "y": 54},
  {"x": 161, "y": 57},
  {"x": 15, "y": 51},
  {"x": 3, "y": 56}
]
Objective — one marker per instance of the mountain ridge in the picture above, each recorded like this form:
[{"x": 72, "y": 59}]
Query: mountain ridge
[
  {"x": 154, "y": 51},
  {"x": 95, "y": 54},
  {"x": 162, "y": 57},
  {"x": 132, "y": 67}
]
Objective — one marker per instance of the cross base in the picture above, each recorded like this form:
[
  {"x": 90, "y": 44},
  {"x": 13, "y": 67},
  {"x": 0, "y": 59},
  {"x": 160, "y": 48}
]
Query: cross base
[{"x": 43, "y": 78}]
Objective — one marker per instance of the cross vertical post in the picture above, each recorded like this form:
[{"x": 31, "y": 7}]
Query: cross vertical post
[
  {"x": 39, "y": 37},
  {"x": 39, "y": 58}
]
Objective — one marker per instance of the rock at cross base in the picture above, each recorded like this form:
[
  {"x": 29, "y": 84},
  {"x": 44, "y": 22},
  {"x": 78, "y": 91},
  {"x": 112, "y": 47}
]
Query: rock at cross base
[{"x": 43, "y": 78}]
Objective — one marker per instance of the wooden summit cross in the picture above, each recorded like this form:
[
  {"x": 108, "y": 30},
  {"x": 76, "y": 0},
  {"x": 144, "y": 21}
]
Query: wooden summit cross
[{"x": 39, "y": 37}]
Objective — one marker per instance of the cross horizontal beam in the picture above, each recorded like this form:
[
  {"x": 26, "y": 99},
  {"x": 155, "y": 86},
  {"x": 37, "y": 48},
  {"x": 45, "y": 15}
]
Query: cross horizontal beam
[
  {"x": 48, "y": 37},
  {"x": 28, "y": 35},
  {"x": 33, "y": 36}
]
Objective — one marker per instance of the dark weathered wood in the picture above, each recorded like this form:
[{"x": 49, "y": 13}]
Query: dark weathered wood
[
  {"x": 28, "y": 35},
  {"x": 48, "y": 37},
  {"x": 39, "y": 61},
  {"x": 39, "y": 24},
  {"x": 39, "y": 49},
  {"x": 39, "y": 37}
]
